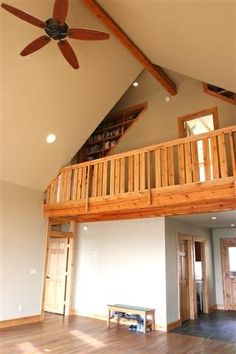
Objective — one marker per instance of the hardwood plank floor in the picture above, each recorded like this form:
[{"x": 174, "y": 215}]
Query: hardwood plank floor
[{"x": 84, "y": 335}]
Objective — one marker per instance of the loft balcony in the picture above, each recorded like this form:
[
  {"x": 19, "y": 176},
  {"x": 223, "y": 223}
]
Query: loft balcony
[{"x": 184, "y": 176}]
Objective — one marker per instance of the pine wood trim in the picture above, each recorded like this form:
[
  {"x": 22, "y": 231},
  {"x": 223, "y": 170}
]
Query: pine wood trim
[
  {"x": 20, "y": 321},
  {"x": 190, "y": 116},
  {"x": 173, "y": 325},
  {"x": 217, "y": 95},
  {"x": 60, "y": 234},
  {"x": 155, "y": 70}
]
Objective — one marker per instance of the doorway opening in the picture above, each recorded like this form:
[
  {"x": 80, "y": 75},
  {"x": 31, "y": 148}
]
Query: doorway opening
[
  {"x": 228, "y": 263},
  {"x": 59, "y": 267},
  {"x": 201, "y": 284},
  {"x": 193, "y": 286}
]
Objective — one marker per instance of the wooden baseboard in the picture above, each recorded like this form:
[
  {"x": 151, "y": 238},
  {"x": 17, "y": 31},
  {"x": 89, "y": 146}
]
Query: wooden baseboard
[
  {"x": 122, "y": 321},
  {"x": 220, "y": 307},
  {"x": 212, "y": 308},
  {"x": 173, "y": 325},
  {"x": 20, "y": 321}
]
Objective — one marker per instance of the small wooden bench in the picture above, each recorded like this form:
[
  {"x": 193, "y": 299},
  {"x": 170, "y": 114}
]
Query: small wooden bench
[{"x": 143, "y": 311}]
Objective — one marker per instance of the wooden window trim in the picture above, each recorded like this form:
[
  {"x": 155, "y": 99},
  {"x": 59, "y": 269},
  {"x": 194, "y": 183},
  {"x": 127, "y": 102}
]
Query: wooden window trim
[{"x": 204, "y": 112}]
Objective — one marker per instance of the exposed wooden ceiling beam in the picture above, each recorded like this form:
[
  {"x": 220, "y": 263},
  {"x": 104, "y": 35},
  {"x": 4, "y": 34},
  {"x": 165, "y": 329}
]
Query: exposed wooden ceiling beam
[{"x": 155, "y": 70}]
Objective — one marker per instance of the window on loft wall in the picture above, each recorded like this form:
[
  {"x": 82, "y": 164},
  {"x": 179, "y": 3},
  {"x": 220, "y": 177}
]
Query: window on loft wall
[{"x": 199, "y": 123}]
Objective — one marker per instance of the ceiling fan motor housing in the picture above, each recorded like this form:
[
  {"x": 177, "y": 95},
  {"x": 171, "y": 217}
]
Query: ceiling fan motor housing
[{"x": 56, "y": 30}]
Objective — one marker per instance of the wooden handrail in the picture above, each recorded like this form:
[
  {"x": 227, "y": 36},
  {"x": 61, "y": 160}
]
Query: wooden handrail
[
  {"x": 204, "y": 157},
  {"x": 229, "y": 129}
]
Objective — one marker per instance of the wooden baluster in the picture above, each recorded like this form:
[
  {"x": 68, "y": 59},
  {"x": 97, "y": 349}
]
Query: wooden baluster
[
  {"x": 79, "y": 187},
  {"x": 104, "y": 179},
  {"x": 112, "y": 177},
  {"x": 56, "y": 189},
  {"x": 136, "y": 172},
  {"x": 222, "y": 156},
  {"x": 188, "y": 162},
  {"x": 122, "y": 175},
  {"x": 83, "y": 182},
  {"x": 68, "y": 185},
  {"x": 149, "y": 178},
  {"x": 164, "y": 176},
  {"x": 61, "y": 186},
  {"x": 214, "y": 157},
  {"x": 232, "y": 153},
  {"x": 75, "y": 184},
  {"x": 195, "y": 162},
  {"x": 48, "y": 195},
  {"x": 95, "y": 180},
  {"x": 87, "y": 182},
  {"x": 117, "y": 176},
  {"x": 142, "y": 171},
  {"x": 131, "y": 174},
  {"x": 206, "y": 159},
  {"x": 51, "y": 198},
  {"x": 171, "y": 172},
  {"x": 99, "y": 181},
  {"x": 181, "y": 163},
  {"x": 158, "y": 168}
]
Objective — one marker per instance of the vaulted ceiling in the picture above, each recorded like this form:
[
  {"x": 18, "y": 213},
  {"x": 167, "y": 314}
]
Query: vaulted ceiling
[{"x": 42, "y": 94}]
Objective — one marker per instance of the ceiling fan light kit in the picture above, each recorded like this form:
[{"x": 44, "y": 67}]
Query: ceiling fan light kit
[{"x": 56, "y": 28}]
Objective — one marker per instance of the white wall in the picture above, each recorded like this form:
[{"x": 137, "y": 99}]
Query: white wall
[
  {"x": 22, "y": 248},
  {"x": 217, "y": 235},
  {"x": 121, "y": 262},
  {"x": 173, "y": 227},
  {"x": 159, "y": 122}
]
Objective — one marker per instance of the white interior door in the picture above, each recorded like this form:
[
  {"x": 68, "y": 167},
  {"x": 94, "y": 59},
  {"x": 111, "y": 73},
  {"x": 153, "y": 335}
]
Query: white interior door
[{"x": 56, "y": 276}]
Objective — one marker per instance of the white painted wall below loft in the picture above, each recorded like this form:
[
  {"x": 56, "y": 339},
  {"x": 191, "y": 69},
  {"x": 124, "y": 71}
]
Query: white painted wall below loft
[
  {"x": 22, "y": 241},
  {"x": 217, "y": 235},
  {"x": 121, "y": 262}
]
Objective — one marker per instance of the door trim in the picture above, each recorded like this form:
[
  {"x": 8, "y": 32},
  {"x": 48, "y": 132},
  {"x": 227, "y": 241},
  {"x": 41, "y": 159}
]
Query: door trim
[
  {"x": 70, "y": 270},
  {"x": 192, "y": 286},
  {"x": 225, "y": 242}
]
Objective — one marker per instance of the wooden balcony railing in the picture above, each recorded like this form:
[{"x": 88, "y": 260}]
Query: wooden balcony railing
[{"x": 202, "y": 158}]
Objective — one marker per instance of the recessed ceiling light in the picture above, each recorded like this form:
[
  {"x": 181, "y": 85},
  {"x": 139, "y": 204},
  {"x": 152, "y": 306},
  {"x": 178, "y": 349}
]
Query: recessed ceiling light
[
  {"x": 135, "y": 84},
  {"x": 85, "y": 227},
  {"x": 167, "y": 98},
  {"x": 51, "y": 138},
  {"x": 232, "y": 225},
  {"x": 213, "y": 217}
]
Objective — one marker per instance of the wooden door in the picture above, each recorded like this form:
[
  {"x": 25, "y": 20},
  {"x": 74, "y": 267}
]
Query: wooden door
[
  {"x": 56, "y": 276},
  {"x": 184, "y": 280},
  {"x": 228, "y": 258}
]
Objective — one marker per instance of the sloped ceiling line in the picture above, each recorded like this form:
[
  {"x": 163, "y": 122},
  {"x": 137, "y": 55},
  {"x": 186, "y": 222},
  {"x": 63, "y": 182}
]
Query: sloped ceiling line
[{"x": 155, "y": 70}]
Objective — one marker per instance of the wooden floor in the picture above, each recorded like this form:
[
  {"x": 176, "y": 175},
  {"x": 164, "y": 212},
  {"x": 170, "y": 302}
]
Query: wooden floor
[{"x": 84, "y": 335}]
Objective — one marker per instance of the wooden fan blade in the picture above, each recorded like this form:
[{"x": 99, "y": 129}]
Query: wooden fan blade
[
  {"x": 35, "y": 45},
  {"x": 86, "y": 34},
  {"x": 23, "y": 15},
  {"x": 68, "y": 53},
  {"x": 60, "y": 10}
]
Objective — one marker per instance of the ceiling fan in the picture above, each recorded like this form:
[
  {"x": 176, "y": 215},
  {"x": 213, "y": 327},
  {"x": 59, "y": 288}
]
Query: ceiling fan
[{"x": 57, "y": 29}]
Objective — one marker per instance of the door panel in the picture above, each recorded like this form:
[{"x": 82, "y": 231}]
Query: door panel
[
  {"x": 228, "y": 252},
  {"x": 56, "y": 275},
  {"x": 184, "y": 280}
]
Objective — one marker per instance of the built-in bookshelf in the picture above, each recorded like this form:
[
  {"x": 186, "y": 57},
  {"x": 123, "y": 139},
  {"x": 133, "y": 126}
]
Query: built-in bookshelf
[{"x": 109, "y": 132}]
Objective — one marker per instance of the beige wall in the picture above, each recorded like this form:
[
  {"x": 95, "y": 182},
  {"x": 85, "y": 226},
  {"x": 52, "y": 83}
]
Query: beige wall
[
  {"x": 22, "y": 249},
  {"x": 217, "y": 235},
  {"x": 159, "y": 122},
  {"x": 173, "y": 227},
  {"x": 121, "y": 262}
]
